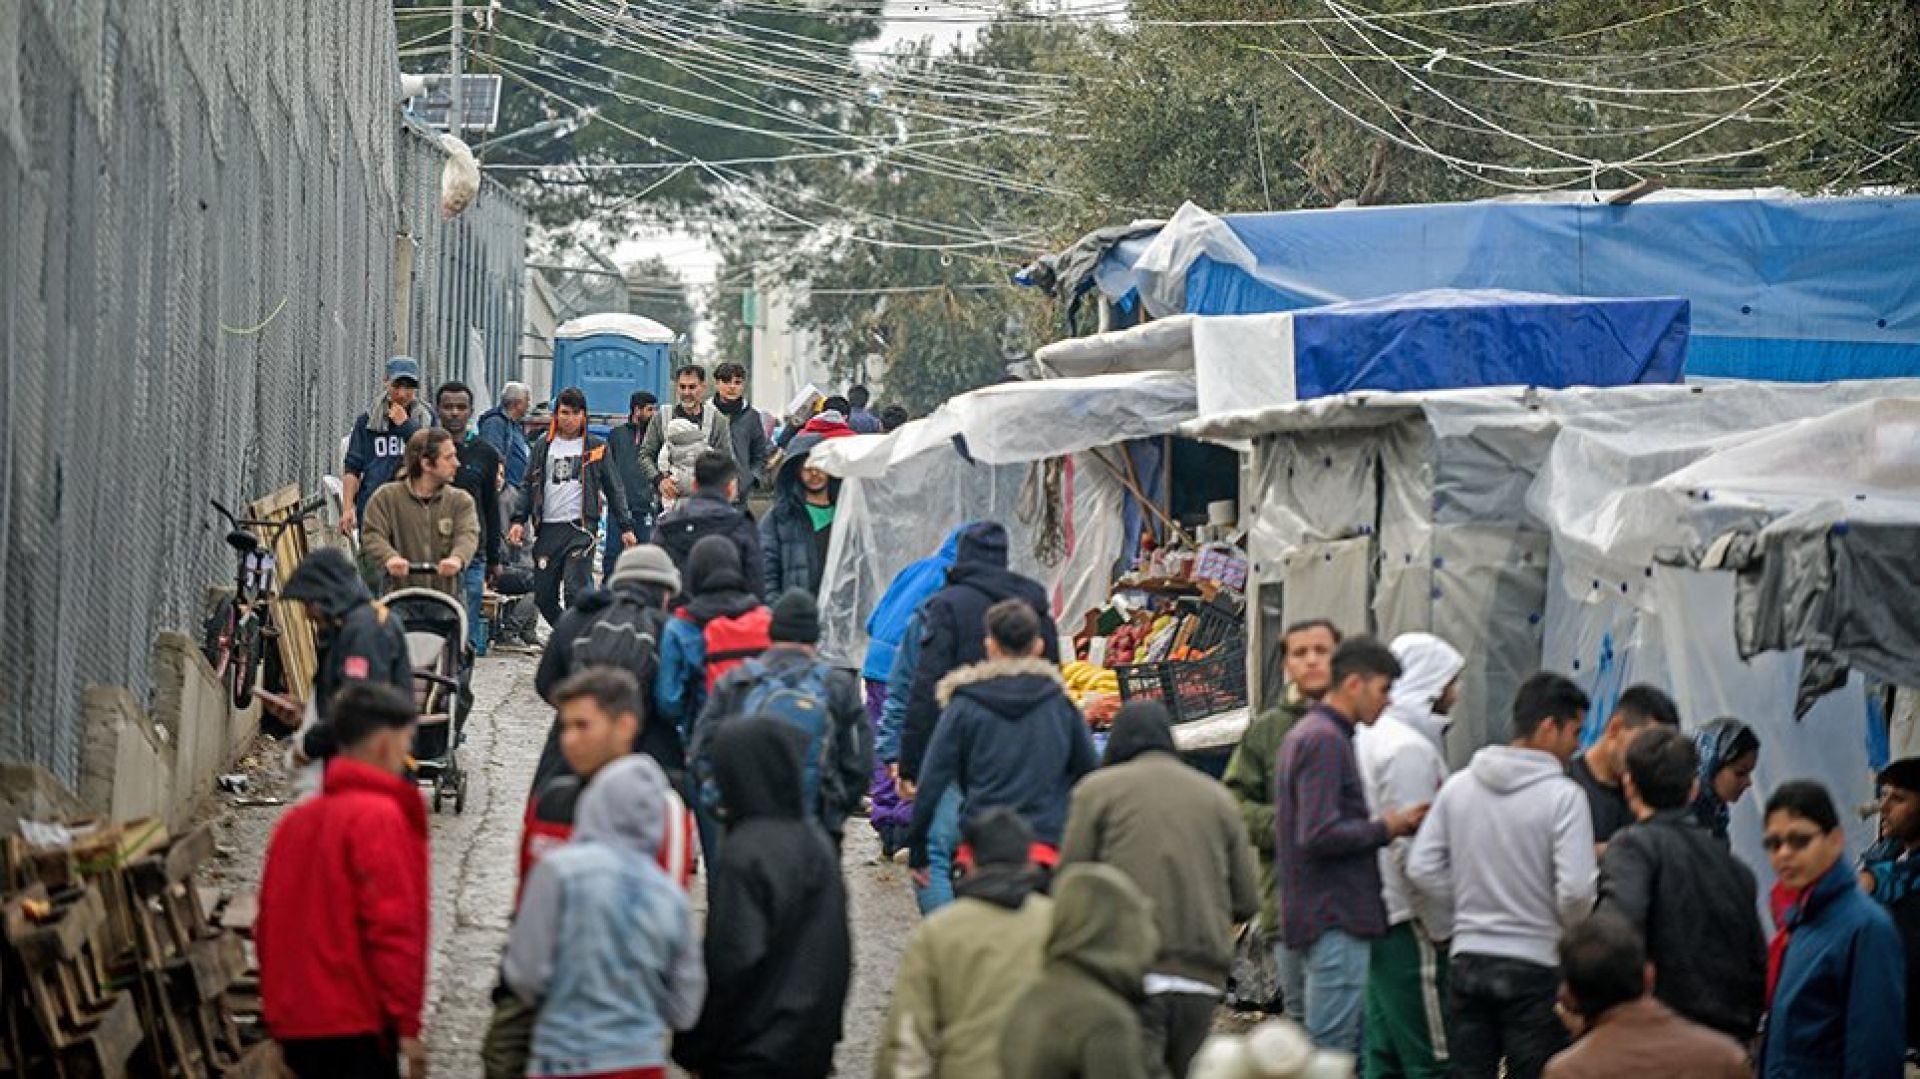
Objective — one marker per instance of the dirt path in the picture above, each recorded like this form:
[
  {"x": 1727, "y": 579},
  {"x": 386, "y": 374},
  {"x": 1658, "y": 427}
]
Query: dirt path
[{"x": 473, "y": 876}]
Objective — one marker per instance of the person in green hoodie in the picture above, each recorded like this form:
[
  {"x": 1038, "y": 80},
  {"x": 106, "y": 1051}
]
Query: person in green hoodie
[
  {"x": 1307, "y": 653},
  {"x": 1081, "y": 1018},
  {"x": 970, "y": 959}
]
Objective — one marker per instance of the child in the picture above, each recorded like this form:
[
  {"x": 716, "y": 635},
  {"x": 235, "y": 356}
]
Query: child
[{"x": 684, "y": 444}]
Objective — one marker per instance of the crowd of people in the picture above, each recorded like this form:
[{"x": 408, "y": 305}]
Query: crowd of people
[{"x": 1546, "y": 910}]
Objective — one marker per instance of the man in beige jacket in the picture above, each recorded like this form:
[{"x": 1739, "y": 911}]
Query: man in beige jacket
[{"x": 420, "y": 518}]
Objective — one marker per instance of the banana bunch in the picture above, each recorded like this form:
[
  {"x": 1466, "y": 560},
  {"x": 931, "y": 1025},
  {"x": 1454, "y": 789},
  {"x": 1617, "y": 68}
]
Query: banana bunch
[{"x": 1084, "y": 678}]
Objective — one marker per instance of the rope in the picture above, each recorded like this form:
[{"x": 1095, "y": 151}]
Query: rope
[
  {"x": 1041, "y": 508},
  {"x": 268, "y": 321}
]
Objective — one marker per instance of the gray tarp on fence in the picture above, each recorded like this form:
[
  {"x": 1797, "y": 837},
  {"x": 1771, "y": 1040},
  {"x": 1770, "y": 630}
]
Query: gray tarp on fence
[{"x": 199, "y": 205}]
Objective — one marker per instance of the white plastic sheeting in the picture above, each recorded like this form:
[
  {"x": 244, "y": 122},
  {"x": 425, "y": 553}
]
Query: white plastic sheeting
[
  {"x": 892, "y": 519},
  {"x": 1019, "y": 422},
  {"x": 906, "y": 491},
  {"x": 1161, "y": 345},
  {"x": 1160, "y": 273}
]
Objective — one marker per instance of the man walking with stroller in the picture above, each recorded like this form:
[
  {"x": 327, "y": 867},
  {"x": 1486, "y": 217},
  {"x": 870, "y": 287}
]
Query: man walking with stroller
[{"x": 424, "y": 520}]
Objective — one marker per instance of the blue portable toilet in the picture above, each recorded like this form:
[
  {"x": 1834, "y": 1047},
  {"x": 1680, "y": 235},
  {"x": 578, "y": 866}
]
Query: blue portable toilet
[{"x": 611, "y": 355}]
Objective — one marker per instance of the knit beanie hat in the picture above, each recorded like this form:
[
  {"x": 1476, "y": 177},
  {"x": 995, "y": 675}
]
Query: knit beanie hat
[
  {"x": 796, "y": 619},
  {"x": 646, "y": 564},
  {"x": 983, "y": 542}
]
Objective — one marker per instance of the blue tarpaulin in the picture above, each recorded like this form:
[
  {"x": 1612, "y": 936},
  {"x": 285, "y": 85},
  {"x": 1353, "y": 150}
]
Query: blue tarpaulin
[
  {"x": 1799, "y": 289},
  {"x": 1449, "y": 338}
]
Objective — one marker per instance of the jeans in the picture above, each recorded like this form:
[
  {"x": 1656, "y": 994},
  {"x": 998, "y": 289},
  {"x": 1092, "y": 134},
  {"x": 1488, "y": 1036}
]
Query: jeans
[
  {"x": 610, "y": 549},
  {"x": 475, "y": 579},
  {"x": 1292, "y": 968},
  {"x": 562, "y": 556},
  {"x": 941, "y": 841},
  {"x": 365, "y": 1056},
  {"x": 1499, "y": 1008},
  {"x": 1336, "y": 984}
]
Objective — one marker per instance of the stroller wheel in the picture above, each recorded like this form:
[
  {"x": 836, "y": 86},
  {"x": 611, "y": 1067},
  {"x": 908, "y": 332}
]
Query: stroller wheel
[
  {"x": 439, "y": 794},
  {"x": 460, "y": 794}
]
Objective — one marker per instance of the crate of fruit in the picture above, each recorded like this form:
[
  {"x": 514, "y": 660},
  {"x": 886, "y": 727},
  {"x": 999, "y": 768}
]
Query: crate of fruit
[{"x": 1191, "y": 689}]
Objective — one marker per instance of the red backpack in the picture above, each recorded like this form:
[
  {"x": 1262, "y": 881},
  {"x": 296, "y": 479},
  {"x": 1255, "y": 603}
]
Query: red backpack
[{"x": 733, "y": 641}]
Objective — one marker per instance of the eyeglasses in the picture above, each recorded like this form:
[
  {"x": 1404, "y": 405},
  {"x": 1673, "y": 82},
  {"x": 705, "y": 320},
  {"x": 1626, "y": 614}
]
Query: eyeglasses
[{"x": 1796, "y": 841}]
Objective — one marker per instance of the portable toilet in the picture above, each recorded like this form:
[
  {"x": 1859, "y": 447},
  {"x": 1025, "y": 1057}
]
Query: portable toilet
[{"x": 611, "y": 355}]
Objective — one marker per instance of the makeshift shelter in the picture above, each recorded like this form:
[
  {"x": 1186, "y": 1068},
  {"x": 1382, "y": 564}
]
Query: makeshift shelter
[
  {"x": 1782, "y": 287},
  {"x": 1591, "y": 531},
  {"x": 983, "y": 456}
]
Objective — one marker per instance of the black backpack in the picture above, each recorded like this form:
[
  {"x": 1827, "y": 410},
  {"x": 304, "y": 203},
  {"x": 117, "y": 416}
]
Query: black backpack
[{"x": 625, "y": 635}]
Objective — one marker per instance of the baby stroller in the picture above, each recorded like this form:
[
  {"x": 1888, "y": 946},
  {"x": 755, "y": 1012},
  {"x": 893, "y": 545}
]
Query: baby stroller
[{"x": 442, "y": 664}]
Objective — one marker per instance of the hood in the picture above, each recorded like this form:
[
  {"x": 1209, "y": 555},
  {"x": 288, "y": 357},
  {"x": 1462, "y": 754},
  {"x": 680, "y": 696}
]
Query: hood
[
  {"x": 714, "y": 566},
  {"x": 996, "y": 583},
  {"x": 1427, "y": 665},
  {"x": 1140, "y": 727},
  {"x": 756, "y": 763},
  {"x": 377, "y": 415},
  {"x": 343, "y": 774},
  {"x": 327, "y": 577},
  {"x": 625, "y": 806},
  {"x": 1505, "y": 769},
  {"x": 1103, "y": 924},
  {"x": 981, "y": 543},
  {"x": 786, "y": 482},
  {"x": 1008, "y": 687},
  {"x": 826, "y": 425}
]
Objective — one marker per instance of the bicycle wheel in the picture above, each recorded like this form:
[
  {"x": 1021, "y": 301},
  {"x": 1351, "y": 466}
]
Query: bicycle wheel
[
  {"x": 216, "y": 639},
  {"x": 245, "y": 662}
]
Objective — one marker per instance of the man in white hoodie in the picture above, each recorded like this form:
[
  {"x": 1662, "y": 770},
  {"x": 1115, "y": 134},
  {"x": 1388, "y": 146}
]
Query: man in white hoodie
[
  {"x": 1403, "y": 764},
  {"x": 1508, "y": 849}
]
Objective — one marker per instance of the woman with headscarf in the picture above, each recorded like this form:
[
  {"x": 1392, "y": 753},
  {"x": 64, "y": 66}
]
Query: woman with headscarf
[{"x": 1729, "y": 750}]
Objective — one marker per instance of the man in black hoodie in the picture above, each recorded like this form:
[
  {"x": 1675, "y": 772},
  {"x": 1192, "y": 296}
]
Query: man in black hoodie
[
  {"x": 359, "y": 640},
  {"x": 779, "y": 953},
  {"x": 711, "y": 512},
  {"x": 953, "y": 623}
]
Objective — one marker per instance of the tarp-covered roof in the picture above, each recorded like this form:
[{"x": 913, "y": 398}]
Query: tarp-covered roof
[
  {"x": 1019, "y": 422},
  {"x": 1799, "y": 289}
]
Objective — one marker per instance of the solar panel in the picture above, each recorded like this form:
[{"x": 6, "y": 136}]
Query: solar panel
[{"x": 479, "y": 103}]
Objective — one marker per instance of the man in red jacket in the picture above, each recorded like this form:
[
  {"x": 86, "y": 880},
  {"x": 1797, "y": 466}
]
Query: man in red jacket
[{"x": 342, "y": 928}]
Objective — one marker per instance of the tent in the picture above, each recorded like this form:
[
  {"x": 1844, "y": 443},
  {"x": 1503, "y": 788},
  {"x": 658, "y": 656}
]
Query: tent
[
  {"x": 1687, "y": 536},
  {"x": 1782, "y": 287},
  {"x": 982, "y": 456}
]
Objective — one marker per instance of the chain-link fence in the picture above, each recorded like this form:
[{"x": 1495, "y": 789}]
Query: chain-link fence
[
  {"x": 198, "y": 206},
  {"x": 465, "y": 295}
]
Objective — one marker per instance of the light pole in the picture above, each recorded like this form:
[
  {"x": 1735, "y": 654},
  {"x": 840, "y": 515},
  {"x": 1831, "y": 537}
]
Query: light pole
[{"x": 453, "y": 107}]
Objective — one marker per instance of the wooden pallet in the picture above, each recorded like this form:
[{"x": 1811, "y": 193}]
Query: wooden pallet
[
  {"x": 299, "y": 656},
  {"x": 64, "y": 1018}
]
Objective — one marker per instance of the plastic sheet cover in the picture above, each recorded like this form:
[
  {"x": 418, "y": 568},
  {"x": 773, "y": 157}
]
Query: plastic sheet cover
[
  {"x": 1018, "y": 422},
  {"x": 1782, "y": 288},
  {"x": 887, "y": 521}
]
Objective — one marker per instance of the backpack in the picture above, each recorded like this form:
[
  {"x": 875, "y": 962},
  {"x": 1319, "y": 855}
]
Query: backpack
[
  {"x": 679, "y": 532},
  {"x": 732, "y": 641},
  {"x": 626, "y": 635},
  {"x": 796, "y": 696}
]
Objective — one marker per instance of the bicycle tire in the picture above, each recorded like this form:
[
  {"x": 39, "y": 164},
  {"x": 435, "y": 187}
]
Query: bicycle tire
[
  {"x": 216, "y": 637},
  {"x": 245, "y": 662}
]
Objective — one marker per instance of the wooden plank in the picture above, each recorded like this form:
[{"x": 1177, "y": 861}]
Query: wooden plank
[
  {"x": 188, "y": 853},
  {"x": 298, "y": 651},
  {"x": 63, "y": 935}
]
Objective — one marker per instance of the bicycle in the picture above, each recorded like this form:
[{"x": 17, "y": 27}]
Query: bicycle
[{"x": 235, "y": 635}]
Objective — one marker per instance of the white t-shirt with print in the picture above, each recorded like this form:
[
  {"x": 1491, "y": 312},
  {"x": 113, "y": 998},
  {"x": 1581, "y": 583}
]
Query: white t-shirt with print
[{"x": 565, "y": 460}]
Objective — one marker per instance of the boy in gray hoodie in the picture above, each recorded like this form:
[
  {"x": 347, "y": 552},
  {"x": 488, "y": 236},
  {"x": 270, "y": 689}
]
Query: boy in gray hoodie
[
  {"x": 603, "y": 943},
  {"x": 1508, "y": 849}
]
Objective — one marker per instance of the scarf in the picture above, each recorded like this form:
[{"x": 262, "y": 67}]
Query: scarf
[
  {"x": 1719, "y": 744},
  {"x": 1781, "y": 901},
  {"x": 729, "y": 411}
]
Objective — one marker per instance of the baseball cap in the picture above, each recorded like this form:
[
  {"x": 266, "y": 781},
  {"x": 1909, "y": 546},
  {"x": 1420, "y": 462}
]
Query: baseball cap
[{"x": 403, "y": 367}]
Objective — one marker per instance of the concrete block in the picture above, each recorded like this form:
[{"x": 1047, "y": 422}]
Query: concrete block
[
  {"x": 29, "y": 792},
  {"x": 161, "y": 764}
]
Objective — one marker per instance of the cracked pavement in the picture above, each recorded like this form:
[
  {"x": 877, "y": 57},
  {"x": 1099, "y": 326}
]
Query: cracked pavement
[{"x": 473, "y": 875}]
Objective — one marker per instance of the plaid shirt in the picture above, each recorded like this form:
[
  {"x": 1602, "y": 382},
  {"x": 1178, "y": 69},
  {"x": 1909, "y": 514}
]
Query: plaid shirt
[{"x": 1326, "y": 843}]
